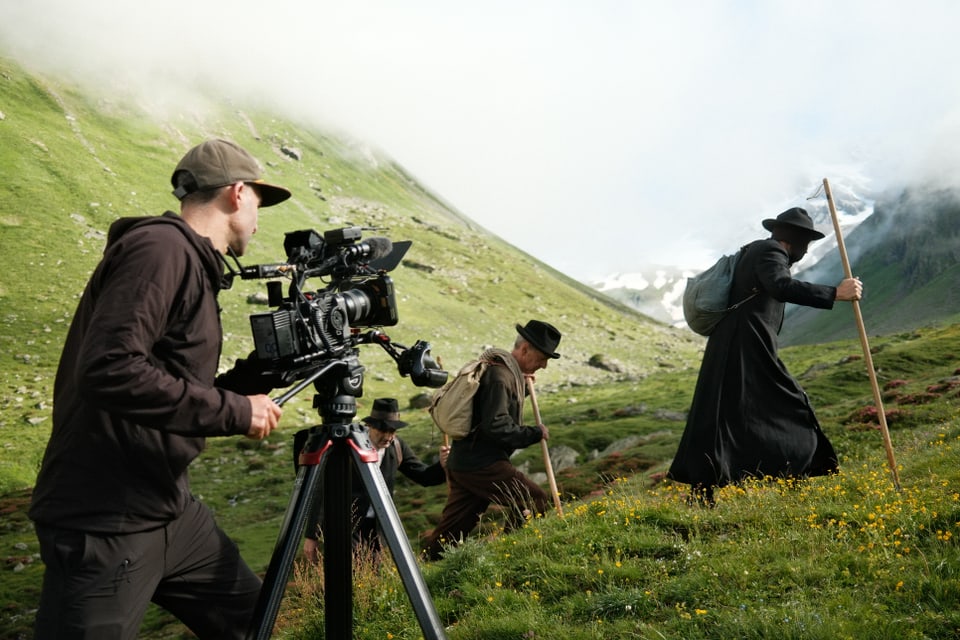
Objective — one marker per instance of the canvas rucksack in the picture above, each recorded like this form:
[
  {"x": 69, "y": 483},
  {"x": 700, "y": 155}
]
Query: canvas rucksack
[
  {"x": 707, "y": 296},
  {"x": 452, "y": 405}
]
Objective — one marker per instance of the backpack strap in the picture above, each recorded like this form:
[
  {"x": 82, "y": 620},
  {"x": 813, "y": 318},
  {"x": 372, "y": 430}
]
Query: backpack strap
[
  {"x": 505, "y": 358},
  {"x": 399, "y": 450},
  {"x": 736, "y": 306}
]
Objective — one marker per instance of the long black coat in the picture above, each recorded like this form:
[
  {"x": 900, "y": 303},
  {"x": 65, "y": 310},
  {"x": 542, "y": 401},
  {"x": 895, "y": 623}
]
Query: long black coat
[{"x": 749, "y": 416}]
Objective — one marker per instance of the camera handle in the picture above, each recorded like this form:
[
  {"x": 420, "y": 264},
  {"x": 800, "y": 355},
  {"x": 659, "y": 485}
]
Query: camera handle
[{"x": 329, "y": 450}]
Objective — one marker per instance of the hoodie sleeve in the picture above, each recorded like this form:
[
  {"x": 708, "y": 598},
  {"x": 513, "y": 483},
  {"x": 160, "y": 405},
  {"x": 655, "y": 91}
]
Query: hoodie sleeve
[{"x": 152, "y": 343}]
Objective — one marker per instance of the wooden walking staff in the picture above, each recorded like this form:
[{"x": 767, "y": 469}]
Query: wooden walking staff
[
  {"x": 546, "y": 451},
  {"x": 881, "y": 416}
]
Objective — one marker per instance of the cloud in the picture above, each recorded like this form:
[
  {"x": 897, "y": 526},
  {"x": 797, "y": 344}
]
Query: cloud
[{"x": 597, "y": 136}]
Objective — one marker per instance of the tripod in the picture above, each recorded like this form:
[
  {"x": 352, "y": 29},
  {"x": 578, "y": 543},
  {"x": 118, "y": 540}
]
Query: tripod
[{"x": 329, "y": 450}]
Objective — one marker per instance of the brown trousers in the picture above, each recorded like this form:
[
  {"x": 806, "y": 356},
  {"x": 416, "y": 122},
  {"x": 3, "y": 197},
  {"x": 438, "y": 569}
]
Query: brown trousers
[{"x": 471, "y": 492}]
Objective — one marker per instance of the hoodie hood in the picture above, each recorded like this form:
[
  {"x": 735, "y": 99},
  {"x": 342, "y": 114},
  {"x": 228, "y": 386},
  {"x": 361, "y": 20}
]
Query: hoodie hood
[{"x": 212, "y": 259}]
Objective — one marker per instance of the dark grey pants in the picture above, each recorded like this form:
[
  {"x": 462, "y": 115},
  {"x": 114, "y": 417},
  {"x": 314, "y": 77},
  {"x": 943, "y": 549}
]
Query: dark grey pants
[{"x": 99, "y": 586}]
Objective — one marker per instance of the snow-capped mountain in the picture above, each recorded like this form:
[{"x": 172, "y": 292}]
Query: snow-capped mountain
[
  {"x": 654, "y": 291},
  {"x": 657, "y": 290}
]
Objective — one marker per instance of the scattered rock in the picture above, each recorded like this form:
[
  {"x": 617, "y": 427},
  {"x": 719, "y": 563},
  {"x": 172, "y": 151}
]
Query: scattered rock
[
  {"x": 672, "y": 416},
  {"x": 291, "y": 152},
  {"x": 600, "y": 361},
  {"x": 563, "y": 457},
  {"x": 420, "y": 401},
  {"x": 631, "y": 410}
]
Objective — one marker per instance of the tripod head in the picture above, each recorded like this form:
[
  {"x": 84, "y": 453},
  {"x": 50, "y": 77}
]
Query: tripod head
[{"x": 334, "y": 392}]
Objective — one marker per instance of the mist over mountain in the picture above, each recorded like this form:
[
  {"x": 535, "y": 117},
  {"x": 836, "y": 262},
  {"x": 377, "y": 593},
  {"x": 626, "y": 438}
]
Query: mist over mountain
[
  {"x": 75, "y": 159},
  {"x": 904, "y": 245},
  {"x": 654, "y": 291},
  {"x": 657, "y": 290},
  {"x": 907, "y": 254}
]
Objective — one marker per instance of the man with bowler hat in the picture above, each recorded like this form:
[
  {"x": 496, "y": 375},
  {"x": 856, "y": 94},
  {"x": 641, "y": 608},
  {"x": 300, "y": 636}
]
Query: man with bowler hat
[
  {"x": 395, "y": 455},
  {"x": 749, "y": 416},
  {"x": 479, "y": 470}
]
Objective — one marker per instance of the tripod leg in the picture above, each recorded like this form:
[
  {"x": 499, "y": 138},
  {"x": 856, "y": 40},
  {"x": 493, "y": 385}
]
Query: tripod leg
[
  {"x": 397, "y": 540},
  {"x": 288, "y": 543},
  {"x": 337, "y": 544}
]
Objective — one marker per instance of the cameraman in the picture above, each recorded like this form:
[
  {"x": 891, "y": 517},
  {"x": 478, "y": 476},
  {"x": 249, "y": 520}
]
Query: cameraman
[{"x": 135, "y": 397}]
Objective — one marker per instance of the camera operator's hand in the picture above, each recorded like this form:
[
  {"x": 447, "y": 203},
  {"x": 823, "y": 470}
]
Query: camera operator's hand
[{"x": 265, "y": 416}]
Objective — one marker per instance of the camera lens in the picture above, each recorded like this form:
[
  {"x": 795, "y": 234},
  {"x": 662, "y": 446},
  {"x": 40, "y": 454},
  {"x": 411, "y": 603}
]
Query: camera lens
[{"x": 357, "y": 303}]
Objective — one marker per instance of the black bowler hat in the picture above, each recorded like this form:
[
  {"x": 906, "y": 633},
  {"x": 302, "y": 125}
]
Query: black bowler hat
[
  {"x": 543, "y": 336},
  {"x": 385, "y": 415},
  {"x": 796, "y": 218}
]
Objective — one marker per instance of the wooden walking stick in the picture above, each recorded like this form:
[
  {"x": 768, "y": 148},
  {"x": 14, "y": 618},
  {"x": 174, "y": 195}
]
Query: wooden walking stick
[
  {"x": 881, "y": 416},
  {"x": 546, "y": 451}
]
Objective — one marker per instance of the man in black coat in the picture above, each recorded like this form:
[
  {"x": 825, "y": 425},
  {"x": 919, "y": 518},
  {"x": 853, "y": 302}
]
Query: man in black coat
[
  {"x": 749, "y": 416},
  {"x": 395, "y": 455}
]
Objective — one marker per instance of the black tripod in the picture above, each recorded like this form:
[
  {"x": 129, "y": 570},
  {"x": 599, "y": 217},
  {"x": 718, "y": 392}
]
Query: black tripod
[{"x": 328, "y": 450}]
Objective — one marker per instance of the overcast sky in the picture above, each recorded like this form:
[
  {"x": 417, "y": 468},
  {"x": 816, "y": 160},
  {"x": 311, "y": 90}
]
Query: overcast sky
[{"x": 599, "y": 136}]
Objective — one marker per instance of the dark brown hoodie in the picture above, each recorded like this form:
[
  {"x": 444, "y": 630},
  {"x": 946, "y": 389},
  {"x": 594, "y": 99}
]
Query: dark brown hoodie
[{"x": 135, "y": 393}]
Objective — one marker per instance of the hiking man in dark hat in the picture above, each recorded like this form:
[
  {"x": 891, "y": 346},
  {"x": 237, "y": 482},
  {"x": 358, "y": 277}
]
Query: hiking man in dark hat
[
  {"x": 479, "y": 470},
  {"x": 395, "y": 455},
  {"x": 749, "y": 416}
]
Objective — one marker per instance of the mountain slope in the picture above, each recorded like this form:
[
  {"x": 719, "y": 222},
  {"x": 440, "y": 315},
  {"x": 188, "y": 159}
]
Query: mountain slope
[
  {"x": 905, "y": 247},
  {"x": 657, "y": 290},
  {"x": 74, "y": 160},
  {"x": 908, "y": 256}
]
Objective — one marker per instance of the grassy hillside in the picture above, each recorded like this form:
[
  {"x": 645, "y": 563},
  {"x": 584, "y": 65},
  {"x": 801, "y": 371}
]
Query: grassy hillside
[
  {"x": 839, "y": 557},
  {"x": 74, "y": 161},
  {"x": 842, "y": 557},
  {"x": 847, "y": 556}
]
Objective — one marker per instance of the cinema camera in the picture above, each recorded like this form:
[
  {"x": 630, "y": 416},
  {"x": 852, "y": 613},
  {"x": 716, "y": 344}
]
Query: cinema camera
[{"x": 309, "y": 328}]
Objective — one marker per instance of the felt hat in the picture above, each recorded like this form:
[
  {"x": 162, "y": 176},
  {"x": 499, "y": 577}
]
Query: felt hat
[
  {"x": 797, "y": 218},
  {"x": 217, "y": 163},
  {"x": 542, "y": 335},
  {"x": 385, "y": 415}
]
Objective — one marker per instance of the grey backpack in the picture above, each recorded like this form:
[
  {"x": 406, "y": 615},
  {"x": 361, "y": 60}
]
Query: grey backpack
[{"x": 706, "y": 300}]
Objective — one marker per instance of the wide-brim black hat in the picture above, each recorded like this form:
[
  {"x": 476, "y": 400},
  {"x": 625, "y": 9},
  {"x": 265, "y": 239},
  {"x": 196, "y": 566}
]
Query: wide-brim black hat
[
  {"x": 797, "y": 218},
  {"x": 542, "y": 335},
  {"x": 385, "y": 415}
]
